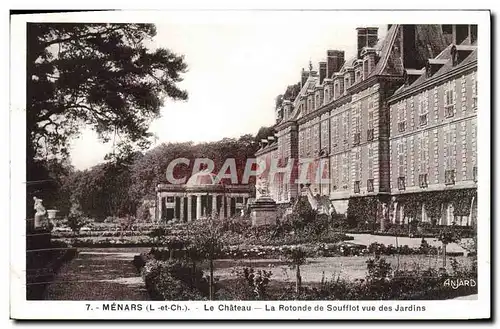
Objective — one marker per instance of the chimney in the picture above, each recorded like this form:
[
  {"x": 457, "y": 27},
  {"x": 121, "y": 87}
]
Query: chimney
[
  {"x": 322, "y": 71},
  {"x": 473, "y": 34},
  {"x": 335, "y": 60},
  {"x": 371, "y": 36},
  {"x": 361, "y": 39},
  {"x": 409, "y": 48},
  {"x": 303, "y": 78},
  {"x": 367, "y": 37},
  {"x": 461, "y": 33}
]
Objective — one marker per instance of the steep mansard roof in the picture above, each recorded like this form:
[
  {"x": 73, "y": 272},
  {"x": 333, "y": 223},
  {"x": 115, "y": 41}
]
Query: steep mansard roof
[
  {"x": 445, "y": 68},
  {"x": 429, "y": 43},
  {"x": 309, "y": 84}
]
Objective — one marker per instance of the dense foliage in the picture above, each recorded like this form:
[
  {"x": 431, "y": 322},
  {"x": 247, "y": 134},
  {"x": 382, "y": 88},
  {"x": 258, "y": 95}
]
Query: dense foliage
[{"x": 64, "y": 92}]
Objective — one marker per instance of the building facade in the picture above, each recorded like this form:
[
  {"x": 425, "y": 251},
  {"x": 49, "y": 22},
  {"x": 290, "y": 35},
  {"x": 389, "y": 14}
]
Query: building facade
[
  {"x": 433, "y": 144},
  {"x": 356, "y": 123}
]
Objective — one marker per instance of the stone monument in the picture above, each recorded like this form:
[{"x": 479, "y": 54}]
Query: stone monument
[{"x": 263, "y": 210}]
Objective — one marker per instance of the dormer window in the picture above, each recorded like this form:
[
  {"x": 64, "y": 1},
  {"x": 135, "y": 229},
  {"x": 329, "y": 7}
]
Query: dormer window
[
  {"x": 346, "y": 84},
  {"x": 365, "y": 69},
  {"x": 447, "y": 29},
  {"x": 336, "y": 90},
  {"x": 358, "y": 76}
]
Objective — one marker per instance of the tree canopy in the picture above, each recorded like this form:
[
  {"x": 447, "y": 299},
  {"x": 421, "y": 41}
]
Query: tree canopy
[
  {"x": 290, "y": 94},
  {"x": 102, "y": 76}
]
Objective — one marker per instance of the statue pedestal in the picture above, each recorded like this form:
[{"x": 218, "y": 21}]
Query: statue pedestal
[
  {"x": 40, "y": 220},
  {"x": 263, "y": 211}
]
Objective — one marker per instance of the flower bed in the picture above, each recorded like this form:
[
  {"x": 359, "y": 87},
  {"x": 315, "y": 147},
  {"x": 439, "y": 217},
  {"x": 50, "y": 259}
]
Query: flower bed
[
  {"x": 109, "y": 242},
  {"x": 83, "y": 234},
  {"x": 312, "y": 250},
  {"x": 272, "y": 238}
]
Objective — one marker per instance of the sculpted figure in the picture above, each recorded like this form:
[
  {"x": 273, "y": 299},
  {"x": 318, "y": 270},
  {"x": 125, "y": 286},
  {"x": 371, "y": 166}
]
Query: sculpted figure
[
  {"x": 40, "y": 211},
  {"x": 263, "y": 187}
]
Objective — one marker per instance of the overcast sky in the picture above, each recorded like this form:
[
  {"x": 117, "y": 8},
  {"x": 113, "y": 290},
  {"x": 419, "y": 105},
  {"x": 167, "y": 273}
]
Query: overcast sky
[{"x": 236, "y": 69}]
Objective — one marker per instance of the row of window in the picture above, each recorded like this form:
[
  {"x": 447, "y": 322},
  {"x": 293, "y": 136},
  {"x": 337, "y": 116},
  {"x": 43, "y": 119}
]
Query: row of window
[
  {"x": 449, "y": 179},
  {"x": 369, "y": 185},
  {"x": 420, "y": 148},
  {"x": 423, "y": 105},
  {"x": 309, "y": 140}
]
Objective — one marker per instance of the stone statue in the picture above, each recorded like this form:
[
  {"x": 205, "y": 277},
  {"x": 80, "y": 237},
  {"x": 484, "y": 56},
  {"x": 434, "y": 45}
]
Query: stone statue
[
  {"x": 40, "y": 211},
  {"x": 263, "y": 187},
  {"x": 331, "y": 210}
]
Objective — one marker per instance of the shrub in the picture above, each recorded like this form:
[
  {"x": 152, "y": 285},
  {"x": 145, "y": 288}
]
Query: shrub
[
  {"x": 174, "y": 281},
  {"x": 304, "y": 210},
  {"x": 296, "y": 257},
  {"x": 236, "y": 225},
  {"x": 256, "y": 280}
]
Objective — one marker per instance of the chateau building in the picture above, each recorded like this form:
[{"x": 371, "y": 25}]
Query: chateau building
[{"x": 380, "y": 131}]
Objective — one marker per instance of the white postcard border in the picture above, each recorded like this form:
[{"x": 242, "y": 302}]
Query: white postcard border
[{"x": 451, "y": 309}]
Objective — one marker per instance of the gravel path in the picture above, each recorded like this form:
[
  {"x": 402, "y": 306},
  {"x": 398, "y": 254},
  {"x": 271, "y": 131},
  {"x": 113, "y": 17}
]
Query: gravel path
[{"x": 99, "y": 274}]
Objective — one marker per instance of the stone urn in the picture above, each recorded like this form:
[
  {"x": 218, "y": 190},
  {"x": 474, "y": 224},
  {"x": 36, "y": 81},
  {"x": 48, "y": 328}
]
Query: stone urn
[{"x": 52, "y": 213}]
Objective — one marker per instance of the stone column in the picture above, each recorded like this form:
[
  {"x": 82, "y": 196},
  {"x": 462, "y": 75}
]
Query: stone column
[
  {"x": 228, "y": 206},
  {"x": 198, "y": 206},
  {"x": 160, "y": 209},
  {"x": 189, "y": 214},
  {"x": 181, "y": 210},
  {"x": 214, "y": 203},
  {"x": 423, "y": 215},
  {"x": 176, "y": 215}
]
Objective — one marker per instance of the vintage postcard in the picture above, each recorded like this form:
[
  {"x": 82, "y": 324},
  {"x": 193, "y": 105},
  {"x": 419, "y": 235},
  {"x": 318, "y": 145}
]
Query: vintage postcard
[{"x": 250, "y": 165}]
